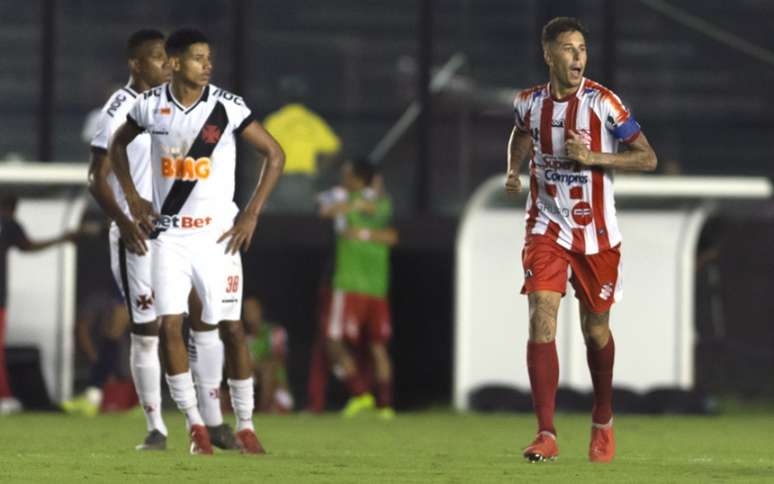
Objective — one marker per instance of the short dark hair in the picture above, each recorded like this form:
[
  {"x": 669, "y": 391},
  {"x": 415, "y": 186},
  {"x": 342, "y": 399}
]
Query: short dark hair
[
  {"x": 180, "y": 40},
  {"x": 560, "y": 25},
  {"x": 363, "y": 169},
  {"x": 140, "y": 37},
  {"x": 8, "y": 203}
]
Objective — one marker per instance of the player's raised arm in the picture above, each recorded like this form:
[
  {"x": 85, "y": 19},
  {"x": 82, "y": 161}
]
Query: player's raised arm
[
  {"x": 141, "y": 209},
  {"x": 241, "y": 234},
  {"x": 519, "y": 149},
  {"x": 99, "y": 169},
  {"x": 639, "y": 155}
]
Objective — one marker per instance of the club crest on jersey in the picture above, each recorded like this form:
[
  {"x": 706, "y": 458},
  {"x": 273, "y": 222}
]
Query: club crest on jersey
[
  {"x": 582, "y": 213},
  {"x": 210, "y": 134},
  {"x": 186, "y": 168},
  {"x": 144, "y": 301}
]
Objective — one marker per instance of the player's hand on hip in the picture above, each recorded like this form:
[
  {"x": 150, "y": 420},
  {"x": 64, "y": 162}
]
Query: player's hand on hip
[
  {"x": 133, "y": 237},
  {"x": 576, "y": 149},
  {"x": 241, "y": 234},
  {"x": 512, "y": 182},
  {"x": 142, "y": 213}
]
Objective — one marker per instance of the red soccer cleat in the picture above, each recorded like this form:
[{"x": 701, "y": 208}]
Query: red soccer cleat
[
  {"x": 602, "y": 446},
  {"x": 200, "y": 440},
  {"x": 543, "y": 448},
  {"x": 249, "y": 443}
]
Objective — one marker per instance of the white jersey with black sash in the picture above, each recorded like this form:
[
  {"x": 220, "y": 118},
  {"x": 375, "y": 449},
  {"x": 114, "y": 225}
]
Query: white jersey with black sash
[{"x": 193, "y": 157}]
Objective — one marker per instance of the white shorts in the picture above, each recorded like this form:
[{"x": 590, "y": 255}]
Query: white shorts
[
  {"x": 180, "y": 262},
  {"x": 132, "y": 273}
]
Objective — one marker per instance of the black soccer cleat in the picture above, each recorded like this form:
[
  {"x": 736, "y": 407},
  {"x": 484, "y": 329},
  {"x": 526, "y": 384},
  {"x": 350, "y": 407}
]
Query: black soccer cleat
[
  {"x": 155, "y": 440},
  {"x": 222, "y": 436}
]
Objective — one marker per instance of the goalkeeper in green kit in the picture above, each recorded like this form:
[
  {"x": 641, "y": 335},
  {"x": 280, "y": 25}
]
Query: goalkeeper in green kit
[{"x": 359, "y": 311}]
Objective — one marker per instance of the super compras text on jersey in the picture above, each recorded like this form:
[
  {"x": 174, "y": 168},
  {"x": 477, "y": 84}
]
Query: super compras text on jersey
[{"x": 569, "y": 202}]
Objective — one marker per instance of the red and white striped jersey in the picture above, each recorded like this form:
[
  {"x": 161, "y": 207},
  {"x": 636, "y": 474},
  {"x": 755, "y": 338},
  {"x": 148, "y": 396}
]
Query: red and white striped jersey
[{"x": 569, "y": 202}]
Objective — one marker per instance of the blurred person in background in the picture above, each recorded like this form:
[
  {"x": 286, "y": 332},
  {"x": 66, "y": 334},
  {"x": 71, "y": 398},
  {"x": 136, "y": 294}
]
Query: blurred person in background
[
  {"x": 268, "y": 344},
  {"x": 359, "y": 307},
  {"x": 100, "y": 330},
  {"x": 309, "y": 143},
  {"x": 13, "y": 235},
  {"x": 570, "y": 129}
]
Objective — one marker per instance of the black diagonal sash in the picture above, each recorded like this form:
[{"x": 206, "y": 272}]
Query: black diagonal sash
[{"x": 202, "y": 147}]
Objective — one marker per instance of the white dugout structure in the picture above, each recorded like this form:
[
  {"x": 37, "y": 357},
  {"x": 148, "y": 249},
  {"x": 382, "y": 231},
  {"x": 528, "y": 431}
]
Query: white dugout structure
[
  {"x": 42, "y": 286},
  {"x": 653, "y": 324}
]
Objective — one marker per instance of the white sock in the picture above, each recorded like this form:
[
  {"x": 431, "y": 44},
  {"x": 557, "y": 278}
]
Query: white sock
[
  {"x": 205, "y": 356},
  {"x": 242, "y": 401},
  {"x": 146, "y": 373},
  {"x": 181, "y": 387}
]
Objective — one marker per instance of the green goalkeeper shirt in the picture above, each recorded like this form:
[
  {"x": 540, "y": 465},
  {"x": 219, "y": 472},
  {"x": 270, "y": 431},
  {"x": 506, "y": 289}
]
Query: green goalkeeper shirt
[{"x": 363, "y": 266}]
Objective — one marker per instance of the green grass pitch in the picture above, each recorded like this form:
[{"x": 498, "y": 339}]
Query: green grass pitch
[{"x": 426, "y": 447}]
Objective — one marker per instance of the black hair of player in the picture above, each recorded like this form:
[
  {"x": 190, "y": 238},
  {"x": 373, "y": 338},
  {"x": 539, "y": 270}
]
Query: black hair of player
[
  {"x": 140, "y": 37},
  {"x": 180, "y": 40},
  {"x": 559, "y": 25},
  {"x": 8, "y": 203},
  {"x": 364, "y": 170}
]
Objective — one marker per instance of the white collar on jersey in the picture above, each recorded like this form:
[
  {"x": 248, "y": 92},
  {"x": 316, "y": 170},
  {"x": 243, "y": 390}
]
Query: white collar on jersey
[
  {"x": 202, "y": 98},
  {"x": 577, "y": 93}
]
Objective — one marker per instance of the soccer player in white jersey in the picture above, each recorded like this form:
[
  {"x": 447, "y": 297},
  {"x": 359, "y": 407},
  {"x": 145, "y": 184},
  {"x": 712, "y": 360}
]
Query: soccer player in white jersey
[
  {"x": 128, "y": 259},
  {"x": 571, "y": 129},
  {"x": 131, "y": 260},
  {"x": 195, "y": 230}
]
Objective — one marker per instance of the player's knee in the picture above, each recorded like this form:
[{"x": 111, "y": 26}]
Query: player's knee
[
  {"x": 170, "y": 332},
  {"x": 232, "y": 333},
  {"x": 596, "y": 333},
  {"x": 542, "y": 324}
]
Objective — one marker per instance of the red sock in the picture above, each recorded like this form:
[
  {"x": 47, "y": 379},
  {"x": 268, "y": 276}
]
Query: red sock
[
  {"x": 355, "y": 385},
  {"x": 601, "y": 368},
  {"x": 5, "y": 389},
  {"x": 318, "y": 378},
  {"x": 384, "y": 394},
  {"x": 543, "y": 367}
]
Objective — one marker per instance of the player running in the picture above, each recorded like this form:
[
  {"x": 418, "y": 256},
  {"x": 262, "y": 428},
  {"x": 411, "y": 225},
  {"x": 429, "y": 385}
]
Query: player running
[
  {"x": 197, "y": 234},
  {"x": 575, "y": 126}
]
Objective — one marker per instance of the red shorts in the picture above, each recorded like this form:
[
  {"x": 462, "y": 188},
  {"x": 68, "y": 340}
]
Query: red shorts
[
  {"x": 352, "y": 314},
  {"x": 596, "y": 278}
]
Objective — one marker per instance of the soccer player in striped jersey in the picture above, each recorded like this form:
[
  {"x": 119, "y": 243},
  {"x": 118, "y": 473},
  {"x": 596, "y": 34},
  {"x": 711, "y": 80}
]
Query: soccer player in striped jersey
[
  {"x": 196, "y": 229},
  {"x": 571, "y": 129}
]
